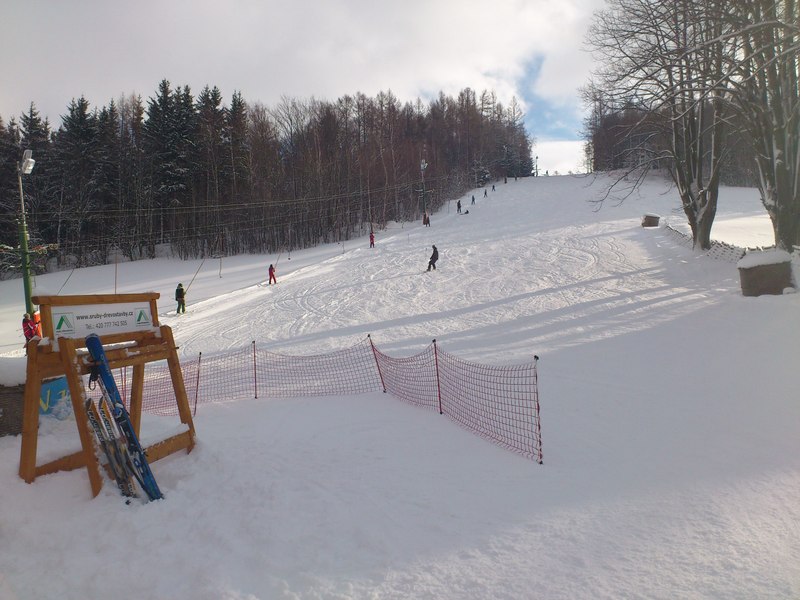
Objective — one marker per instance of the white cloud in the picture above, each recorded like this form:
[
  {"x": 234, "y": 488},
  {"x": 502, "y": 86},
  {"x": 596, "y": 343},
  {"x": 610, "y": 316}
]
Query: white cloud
[{"x": 268, "y": 48}]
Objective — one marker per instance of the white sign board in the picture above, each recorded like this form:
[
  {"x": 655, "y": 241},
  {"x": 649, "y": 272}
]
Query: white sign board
[{"x": 102, "y": 319}]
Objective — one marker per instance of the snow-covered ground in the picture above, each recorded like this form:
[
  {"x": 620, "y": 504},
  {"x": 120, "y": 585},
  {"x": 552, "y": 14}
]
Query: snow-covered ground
[{"x": 669, "y": 420}]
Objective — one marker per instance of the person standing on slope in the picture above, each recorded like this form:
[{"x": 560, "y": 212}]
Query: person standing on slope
[
  {"x": 371, "y": 239},
  {"x": 180, "y": 298},
  {"x": 458, "y": 206},
  {"x": 28, "y": 328},
  {"x": 433, "y": 259},
  {"x": 272, "y": 278}
]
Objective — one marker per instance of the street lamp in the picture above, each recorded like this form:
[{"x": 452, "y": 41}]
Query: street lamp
[{"x": 24, "y": 167}]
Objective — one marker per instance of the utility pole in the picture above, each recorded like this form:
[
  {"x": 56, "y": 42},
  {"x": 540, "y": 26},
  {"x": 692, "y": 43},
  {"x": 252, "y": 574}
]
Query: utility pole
[
  {"x": 24, "y": 167},
  {"x": 423, "y": 164}
]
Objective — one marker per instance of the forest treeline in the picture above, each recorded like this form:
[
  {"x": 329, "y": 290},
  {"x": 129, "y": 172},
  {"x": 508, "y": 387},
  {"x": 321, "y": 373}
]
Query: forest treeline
[{"x": 203, "y": 177}]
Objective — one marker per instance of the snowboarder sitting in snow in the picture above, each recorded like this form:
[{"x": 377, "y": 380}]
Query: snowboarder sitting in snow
[
  {"x": 272, "y": 278},
  {"x": 180, "y": 297},
  {"x": 433, "y": 259}
]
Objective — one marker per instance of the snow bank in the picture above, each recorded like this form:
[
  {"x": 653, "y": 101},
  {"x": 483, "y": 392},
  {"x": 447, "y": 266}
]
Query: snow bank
[
  {"x": 12, "y": 370},
  {"x": 759, "y": 258}
]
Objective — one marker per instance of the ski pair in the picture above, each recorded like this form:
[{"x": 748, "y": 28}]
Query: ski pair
[
  {"x": 122, "y": 443},
  {"x": 110, "y": 443}
]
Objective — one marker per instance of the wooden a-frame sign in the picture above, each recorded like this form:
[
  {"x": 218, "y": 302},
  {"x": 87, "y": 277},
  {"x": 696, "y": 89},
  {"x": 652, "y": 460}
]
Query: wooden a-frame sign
[{"x": 60, "y": 352}]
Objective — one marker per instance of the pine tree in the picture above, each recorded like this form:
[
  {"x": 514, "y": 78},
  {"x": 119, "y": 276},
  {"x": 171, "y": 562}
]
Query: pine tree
[
  {"x": 9, "y": 193},
  {"x": 210, "y": 140},
  {"x": 167, "y": 178},
  {"x": 77, "y": 199}
]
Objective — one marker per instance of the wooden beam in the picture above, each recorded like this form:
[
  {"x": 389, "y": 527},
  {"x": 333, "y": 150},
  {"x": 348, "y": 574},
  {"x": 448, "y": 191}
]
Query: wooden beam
[
  {"x": 126, "y": 357},
  {"x": 46, "y": 316},
  {"x": 73, "y": 461},
  {"x": 170, "y": 445},
  {"x": 154, "y": 311},
  {"x": 119, "y": 338},
  {"x": 48, "y": 363},
  {"x": 178, "y": 385},
  {"x": 137, "y": 387},
  {"x": 69, "y": 357},
  {"x": 81, "y": 300}
]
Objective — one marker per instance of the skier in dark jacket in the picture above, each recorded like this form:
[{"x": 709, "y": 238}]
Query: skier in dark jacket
[
  {"x": 180, "y": 298},
  {"x": 433, "y": 259}
]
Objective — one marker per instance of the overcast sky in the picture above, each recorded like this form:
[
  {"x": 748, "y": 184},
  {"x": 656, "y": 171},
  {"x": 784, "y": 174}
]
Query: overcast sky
[{"x": 53, "y": 51}]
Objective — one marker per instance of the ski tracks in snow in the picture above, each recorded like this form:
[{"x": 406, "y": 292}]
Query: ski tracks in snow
[{"x": 546, "y": 283}]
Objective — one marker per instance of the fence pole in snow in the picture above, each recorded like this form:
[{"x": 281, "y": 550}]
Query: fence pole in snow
[
  {"x": 197, "y": 383},
  {"x": 438, "y": 381},
  {"x": 538, "y": 423},
  {"x": 255, "y": 372},
  {"x": 377, "y": 363}
]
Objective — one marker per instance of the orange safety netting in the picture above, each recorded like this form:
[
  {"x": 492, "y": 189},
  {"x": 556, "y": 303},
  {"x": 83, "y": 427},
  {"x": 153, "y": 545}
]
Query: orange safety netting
[{"x": 499, "y": 403}]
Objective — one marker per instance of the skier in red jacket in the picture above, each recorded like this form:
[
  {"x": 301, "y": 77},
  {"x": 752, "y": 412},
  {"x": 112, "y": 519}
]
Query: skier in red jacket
[
  {"x": 272, "y": 278},
  {"x": 29, "y": 329}
]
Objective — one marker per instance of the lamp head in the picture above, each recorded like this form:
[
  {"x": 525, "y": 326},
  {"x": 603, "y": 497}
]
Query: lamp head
[{"x": 27, "y": 162}]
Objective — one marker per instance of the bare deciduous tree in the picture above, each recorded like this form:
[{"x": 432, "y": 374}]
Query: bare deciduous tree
[
  {"x": 664, "y": 61},
  {"x": 764, "y": 75}
]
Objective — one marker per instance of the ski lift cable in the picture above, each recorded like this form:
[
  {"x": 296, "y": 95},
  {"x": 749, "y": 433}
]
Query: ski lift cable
[
  {"x": 195, "y": 274},
  {"x": 58, "y": 293}
]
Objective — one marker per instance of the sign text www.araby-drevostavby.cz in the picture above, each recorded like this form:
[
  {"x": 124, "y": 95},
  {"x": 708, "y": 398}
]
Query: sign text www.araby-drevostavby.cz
[{"x": 80, "y": 321}]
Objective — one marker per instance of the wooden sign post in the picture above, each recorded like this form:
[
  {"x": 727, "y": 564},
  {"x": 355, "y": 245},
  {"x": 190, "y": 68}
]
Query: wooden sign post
[{"x": 129, "y": 320}]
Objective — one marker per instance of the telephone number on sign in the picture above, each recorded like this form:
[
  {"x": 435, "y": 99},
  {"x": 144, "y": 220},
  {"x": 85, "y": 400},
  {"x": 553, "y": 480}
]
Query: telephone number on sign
[{"x": 107, "y": 324}]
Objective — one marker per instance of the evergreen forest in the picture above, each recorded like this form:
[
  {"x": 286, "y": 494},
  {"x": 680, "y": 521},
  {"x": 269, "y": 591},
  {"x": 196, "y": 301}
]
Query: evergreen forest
[{"x": 193, "y": 176}]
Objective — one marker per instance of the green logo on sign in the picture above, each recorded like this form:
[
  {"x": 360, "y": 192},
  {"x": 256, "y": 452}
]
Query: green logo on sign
[
  {"x": 64, "y": 324},
  {"x": 142, "y": 318}
]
